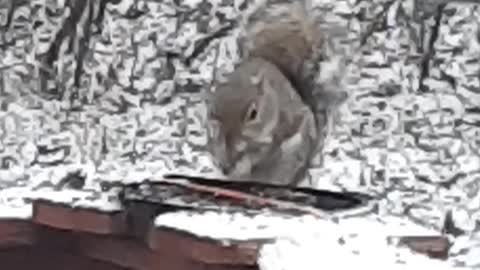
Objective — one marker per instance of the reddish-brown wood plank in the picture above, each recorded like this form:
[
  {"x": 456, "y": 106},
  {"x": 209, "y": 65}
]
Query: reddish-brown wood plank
[
  {"x": 42, "y": 259},
  {"x": 167, "y": 241},
  {"x": 102, "y": 241},
  {"x": 15, "y": 233},
  {"x": 86, "y": 220}
]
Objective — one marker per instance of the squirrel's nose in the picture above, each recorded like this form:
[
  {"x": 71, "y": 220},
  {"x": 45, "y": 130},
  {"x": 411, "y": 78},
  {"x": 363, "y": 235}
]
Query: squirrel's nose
[{"x": 226, "y": 168}]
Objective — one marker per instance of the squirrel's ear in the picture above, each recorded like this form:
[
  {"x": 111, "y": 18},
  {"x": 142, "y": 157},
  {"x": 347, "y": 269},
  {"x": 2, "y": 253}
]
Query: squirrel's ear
[
  {"x": 260, "y": 82},
  {"x": 265, "y": 86}
]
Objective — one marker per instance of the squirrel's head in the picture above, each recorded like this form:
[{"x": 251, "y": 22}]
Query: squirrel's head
[{"x": 245, "y": 113}]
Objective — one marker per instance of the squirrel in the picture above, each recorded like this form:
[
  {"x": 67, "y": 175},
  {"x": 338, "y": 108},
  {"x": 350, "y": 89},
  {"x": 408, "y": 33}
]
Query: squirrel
[{"x": 268, "y": 116}]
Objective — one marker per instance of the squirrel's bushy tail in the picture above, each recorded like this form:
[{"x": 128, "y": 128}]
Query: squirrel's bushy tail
[{"x": 285, "y": 35}]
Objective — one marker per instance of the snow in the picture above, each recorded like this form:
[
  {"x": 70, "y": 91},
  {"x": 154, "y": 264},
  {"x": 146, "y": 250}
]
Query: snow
[{"x": 305, "y": 242}]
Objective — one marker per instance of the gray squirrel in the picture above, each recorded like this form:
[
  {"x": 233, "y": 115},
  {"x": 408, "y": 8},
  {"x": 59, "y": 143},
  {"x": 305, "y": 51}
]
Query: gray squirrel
[{"x": 268, "y": 117}]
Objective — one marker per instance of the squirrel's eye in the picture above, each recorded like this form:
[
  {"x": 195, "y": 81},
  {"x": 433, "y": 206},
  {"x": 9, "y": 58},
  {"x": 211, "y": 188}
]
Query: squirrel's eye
[{"x": 252, "y": 113}]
